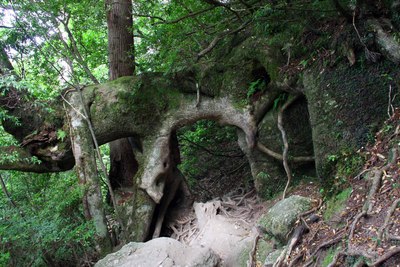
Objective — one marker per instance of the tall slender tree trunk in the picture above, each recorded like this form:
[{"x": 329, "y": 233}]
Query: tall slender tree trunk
[
  {"x": 121, "y": 63},
  {"x": 123, "y": 164},
  {"x": 120, "y": 38}
]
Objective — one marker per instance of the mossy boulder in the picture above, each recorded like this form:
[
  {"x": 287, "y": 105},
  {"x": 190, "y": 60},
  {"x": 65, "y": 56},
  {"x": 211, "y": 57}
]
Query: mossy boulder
[{"x": 280, "y": 219}]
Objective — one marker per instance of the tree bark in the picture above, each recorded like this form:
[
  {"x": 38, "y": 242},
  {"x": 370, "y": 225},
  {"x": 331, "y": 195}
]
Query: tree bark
[
  {"x": 120, "y": 38},
  {"x": 85, "y": 165},
  {"x": 121, "y": 63}
]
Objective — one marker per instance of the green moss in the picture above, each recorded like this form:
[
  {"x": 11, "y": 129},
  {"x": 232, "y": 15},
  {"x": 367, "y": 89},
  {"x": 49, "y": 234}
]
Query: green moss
[
  {"x": 340, "y": 101},
  {"x": 264, "y": 247},
  {"x": 336, "y": 204},
  {"x": 330, "y": 254}
]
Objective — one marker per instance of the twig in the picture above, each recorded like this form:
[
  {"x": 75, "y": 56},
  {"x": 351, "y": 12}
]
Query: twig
[
  {"x": 218, "y": 38},
  {"x": 390, "y": 108},
  {"x": 189, "y": 15},
  {"x": 210, "y": 151},
  {"x": 311, "y": 210}
]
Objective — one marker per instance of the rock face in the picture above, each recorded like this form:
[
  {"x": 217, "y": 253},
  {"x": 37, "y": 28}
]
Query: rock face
[
  {"x": 340, "y": 103},
  {"x": 268, "y": 173},
  {"x": 280, "y": 219},
  {"x": 163, "y": 251}
]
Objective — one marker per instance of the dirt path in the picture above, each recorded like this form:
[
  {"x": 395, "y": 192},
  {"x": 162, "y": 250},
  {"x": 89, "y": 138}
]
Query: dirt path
[{"x": 226, "y": 225}]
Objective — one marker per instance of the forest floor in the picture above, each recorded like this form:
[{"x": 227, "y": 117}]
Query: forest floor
[{"x": 360, "y": 226}]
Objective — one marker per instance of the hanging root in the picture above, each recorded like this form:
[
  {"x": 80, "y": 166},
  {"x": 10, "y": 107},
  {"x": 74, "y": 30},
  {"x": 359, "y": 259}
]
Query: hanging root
[{"x": 285, "y": 143}]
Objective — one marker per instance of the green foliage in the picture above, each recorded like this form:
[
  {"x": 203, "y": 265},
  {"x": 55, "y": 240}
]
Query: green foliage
[
  {"x": 61, "y": 135},
  {"x": 330, "y": 254},
  {"x": 280, "y": 100},
  {"x": 285, "y": 22},
  {"x": 46, "y": 227},
  {"x": 347, "y": 164},
  {"x": 205, "y": 146},
  {"x": 336, "y": 203},
  {"x": 256, "y": 86}
]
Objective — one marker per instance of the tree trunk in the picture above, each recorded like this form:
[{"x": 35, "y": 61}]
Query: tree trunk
[
  {"x": 123, "y": 165},
  {"x": 121, "y": 63},
  {"x": 120, "y": 38},
  {"x": 85, "y": 165}
]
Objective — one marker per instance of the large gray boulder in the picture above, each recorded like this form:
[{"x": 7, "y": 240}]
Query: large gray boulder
[
  {"x": 280, "y": 219},
  {"x": 163, "y": 251}
]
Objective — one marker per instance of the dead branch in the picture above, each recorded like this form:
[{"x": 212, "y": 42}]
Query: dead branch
[
  {"x": 210, "y": 151},
  {"x": 189, "y": 15},
  {"x": 219, "y": 37},
  {"x": 285, "y": 142}
]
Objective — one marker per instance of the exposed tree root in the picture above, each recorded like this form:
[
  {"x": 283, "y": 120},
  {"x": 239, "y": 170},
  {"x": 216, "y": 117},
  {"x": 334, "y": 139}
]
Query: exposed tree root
[
  {"x": 239, "y": 207},
  {"x": 384, "y": 229},
  {"x": 253, "y": 252},
  {"x": 385, "y": 257},
  {"x": 298, "y": 233},
  {"x": 326, "y": 244},
  {"x": 279, "y": 157}
]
